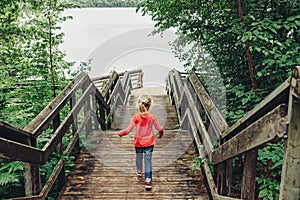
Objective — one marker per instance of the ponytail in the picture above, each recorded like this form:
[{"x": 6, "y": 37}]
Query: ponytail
[{"x": 144, "y": 103}]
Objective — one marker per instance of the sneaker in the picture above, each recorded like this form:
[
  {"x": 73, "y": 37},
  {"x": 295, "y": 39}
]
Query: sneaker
[
  {"x": 148, "y": 185},
  {"x": 139, "y": 174}
]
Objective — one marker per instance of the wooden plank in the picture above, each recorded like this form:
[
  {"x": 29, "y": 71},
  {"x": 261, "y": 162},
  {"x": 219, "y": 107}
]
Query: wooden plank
[
  {"x": 98, "y": 184},
  {"x": 58, "y": 168},
  {"x": 17, "y": 151},
  {"x": 50, "y": 146},
  {"x": 113, "y": 77},
  {"x": 249, "y": 175},
  {"x": 265, "y": 129},
  {"x": 290, "y": 178},
  {"x": 41, "y": 121},
  {"x": 207, "y": 171},
  {"x": 15, "y": 134},
  {"x": 199, "y": 122},
  {"x": 211, "y": 109},
  {"x": 278, "y": 96}
]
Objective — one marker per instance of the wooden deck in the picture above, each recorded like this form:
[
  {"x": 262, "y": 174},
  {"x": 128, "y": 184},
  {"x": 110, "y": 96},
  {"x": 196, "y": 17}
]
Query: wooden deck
[{"x": 105, "y": 169}]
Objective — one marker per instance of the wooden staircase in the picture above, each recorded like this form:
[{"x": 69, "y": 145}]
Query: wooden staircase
[{"x": 105, "y": 169}]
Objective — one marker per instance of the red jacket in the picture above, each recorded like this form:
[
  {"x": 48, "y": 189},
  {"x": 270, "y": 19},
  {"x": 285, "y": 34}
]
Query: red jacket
[{"x": 145, "y": 135}]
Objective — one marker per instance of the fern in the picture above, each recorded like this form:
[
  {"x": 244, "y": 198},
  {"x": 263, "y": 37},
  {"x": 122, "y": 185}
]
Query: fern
[
  {"x": 10, "y": 173},
  {"x": 7, "y": 178},
  {"x": 12, "y": 167}
]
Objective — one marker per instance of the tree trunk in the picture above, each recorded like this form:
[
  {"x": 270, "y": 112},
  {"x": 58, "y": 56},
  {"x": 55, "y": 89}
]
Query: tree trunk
[{"x": 248, "y": 54}]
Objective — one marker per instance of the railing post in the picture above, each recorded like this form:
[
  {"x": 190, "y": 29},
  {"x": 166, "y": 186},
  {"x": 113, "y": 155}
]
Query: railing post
[
  {"x": 87, "y": 107},
  {"x": 249, "y": 175},
  {"x": 31, "y": 172},
  {"x": 290, "y": 178},
  {"x": 94, "y": 103},
  {"x": 75, "y": 125},
  {"x": 224, "y": 177},
  {"x": 59, "y": 150}
]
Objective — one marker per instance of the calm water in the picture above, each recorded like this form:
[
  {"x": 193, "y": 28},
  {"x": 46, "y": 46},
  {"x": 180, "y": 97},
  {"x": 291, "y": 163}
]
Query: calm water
[{"x": 118, "y": 39}]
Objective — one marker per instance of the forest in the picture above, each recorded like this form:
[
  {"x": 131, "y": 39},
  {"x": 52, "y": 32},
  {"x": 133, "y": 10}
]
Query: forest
[{"x": 254, "y": 44}]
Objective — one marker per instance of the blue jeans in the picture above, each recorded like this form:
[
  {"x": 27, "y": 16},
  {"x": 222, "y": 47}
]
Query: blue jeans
[{"x": 147, "y": 151}]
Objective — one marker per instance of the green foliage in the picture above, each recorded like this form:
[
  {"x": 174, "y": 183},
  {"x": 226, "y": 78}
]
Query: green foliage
[
  {"x": 271, "y": 32},
  {"x": 198, "y": 163},
  {"x": 269, "y": 170},
  {"x": 32, "y": 70},
  {"x": 104, "y": 3},
  {"x": 213, "y": 36},
  {"x": 31, "y": 64},
  {"x": 10, "y": 172}
]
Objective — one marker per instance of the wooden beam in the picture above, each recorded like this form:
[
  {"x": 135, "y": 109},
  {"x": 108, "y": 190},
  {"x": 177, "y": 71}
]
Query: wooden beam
[
  {"x": 113, "y": 77},
  {"x": 200, "y": 124},
  {"x": 50, "y": 146},
  {"x": 278, "y": 96},
  {"x": 249, "y": 175},
  {"x": 15, "y": 134},
  {"x": 206, "y": 168},
  {"x": 265, "y": 129},
  {"x": 290, "y": 176},
  {"x": 41, "y": 121},
  {"x": 17, "y": 151},
  {"x": 212, "y": 111}
]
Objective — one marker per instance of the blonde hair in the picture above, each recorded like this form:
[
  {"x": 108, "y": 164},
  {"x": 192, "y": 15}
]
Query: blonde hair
[{"x": 144, "y": 103}]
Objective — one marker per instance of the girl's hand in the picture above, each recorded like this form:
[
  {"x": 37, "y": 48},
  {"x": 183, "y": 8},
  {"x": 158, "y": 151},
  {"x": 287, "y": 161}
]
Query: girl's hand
[
  {"x": 121, "y": 134},
  {"x": 161, "y": 133}
]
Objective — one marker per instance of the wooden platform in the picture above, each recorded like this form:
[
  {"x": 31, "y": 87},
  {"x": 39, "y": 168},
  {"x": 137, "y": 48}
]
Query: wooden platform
[{"x": 105, "y": 169}]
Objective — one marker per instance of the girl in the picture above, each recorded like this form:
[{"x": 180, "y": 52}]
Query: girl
[{"x": 145, "y": 138}]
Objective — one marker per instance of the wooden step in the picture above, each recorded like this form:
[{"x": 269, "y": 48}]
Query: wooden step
[
  {"x": 161, "y": 108},
  {"x": 107, "y": 170}
]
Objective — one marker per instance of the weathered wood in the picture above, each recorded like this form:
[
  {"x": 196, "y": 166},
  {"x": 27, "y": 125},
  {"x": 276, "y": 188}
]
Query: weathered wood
[
  {"x": 278, "y": 96},
  {"x": 112, "y": 79},
  {"x": 249, "y": 175},
  {"x": 17, "y": 151},
  {"x": 32, "y": 179},
  {"x": 42, "y": 194},
  {"x": 265, "y": 129},
  {"x": 220, "y": 197},
  {"x": 75, "y": 125},
  {"x": 214, "y": 114},
  {"x": 51, "y": 145},
  {"x": 224, "y": 177},
  {"x": 87, "y": 104},
  {"x": 196, "y": 138},
  {"x": 93, "y": 180},
  {"x": 41, "y": 121},
  {"x": 101, "y": 174},
  {"x": 12, "y": 133},
  {"x": 199, "y": 123},
  {"x": 290, "y": 177}
]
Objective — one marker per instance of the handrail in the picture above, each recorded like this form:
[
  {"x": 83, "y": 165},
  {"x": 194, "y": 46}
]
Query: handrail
[
  {"x": 78, "y": 95},
  {"x": 267, "y": 122}
]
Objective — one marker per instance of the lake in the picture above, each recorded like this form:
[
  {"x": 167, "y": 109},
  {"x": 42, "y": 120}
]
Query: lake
[{"x": 118, "y": 39}]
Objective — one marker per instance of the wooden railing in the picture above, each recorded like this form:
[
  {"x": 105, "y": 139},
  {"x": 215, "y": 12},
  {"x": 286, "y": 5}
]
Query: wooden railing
[
  {"x": 87, "y": 107},
  {"x": 277, "y": 116}
]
